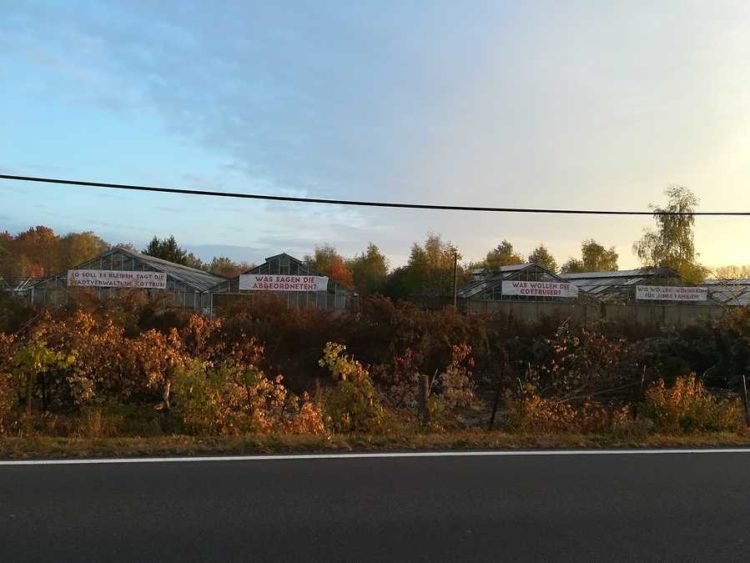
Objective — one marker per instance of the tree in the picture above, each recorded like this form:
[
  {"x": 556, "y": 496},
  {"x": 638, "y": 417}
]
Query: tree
[
  {"x": 573, "y": 266},
  {"x": 6, "y": 256},
  {"x": 429, "y": 272},
  {"x": 192, "y": 261},
  {"x": 396, "y": 284},
  {"x": 79, "y": 247},
  {"x": 542, "y": 257},
  {"x": 168, "y": 249},
  {"x": 595, "y": 258},
  {"x": 341, "y": 274},
  {"x": 322, "y": 259},
  {"x": 39, "y": 252},
  {"x": 672, "y": 245},
  {"x": 503, "y": 255},
  {"x": 36, "y": 252},
  {"x": 369, "y": 270},
  {"x": 732, "y": 272},
  {"x": 226, "y": 267},
  {"x": 327, "y": 262},
  {"x": 127, "y": 246}
]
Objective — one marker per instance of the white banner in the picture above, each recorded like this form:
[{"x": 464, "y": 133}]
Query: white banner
[
  {"x": 117, "y": 278},
  {"x": 540, "y": 289},
  {"x": 670, "y": 293},
  {"x": 266, "y": 282}
]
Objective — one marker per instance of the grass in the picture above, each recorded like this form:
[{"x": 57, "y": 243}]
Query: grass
[{"x": 180, "y": 445}]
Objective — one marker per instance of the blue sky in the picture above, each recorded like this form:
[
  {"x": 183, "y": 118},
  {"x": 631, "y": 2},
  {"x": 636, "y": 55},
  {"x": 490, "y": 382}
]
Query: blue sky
[{"x": 559, "y": 104}]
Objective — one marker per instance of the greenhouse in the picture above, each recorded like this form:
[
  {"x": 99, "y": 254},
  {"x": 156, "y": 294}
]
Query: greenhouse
[
  {"x": 290, "y": 280},
  {"x": 121, "y": 269}
]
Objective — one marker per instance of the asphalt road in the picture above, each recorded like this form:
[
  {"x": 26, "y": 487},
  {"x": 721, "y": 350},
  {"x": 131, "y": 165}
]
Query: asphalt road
[{"x": 686, "y": 507}]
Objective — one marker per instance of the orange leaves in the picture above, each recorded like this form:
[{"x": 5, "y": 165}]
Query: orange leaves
[
  {"x": 212, "y": 376},
  {"x": 207, "y": 381},
  {"x": 6, "y": 345},
  {"x": 341, "y": 274},
  {"x": 39, "y": 251},
  {"x": 199, "y": 337},
  {"x": 157, "y": 356},
  {"x": 7, "y": 395},
  {"x": 537, "y": 414},
  {"x": 232, "y": 399},
  {"x": 688, "y": 406},
  {"x": 457, "y": 388},
  {"x": 309, "y": 418},
  {"x": 354, "y": 404}
]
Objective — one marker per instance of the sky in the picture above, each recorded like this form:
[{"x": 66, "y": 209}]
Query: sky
[{"x": 566, "y": 104}]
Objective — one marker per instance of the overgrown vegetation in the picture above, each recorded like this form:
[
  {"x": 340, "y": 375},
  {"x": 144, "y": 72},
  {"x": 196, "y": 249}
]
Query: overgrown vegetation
[{"x": 132, "y": 366}]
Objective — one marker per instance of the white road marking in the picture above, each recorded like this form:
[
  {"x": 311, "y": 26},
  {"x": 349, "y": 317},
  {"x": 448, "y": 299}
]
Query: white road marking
[{"x": 374, "y": 455}]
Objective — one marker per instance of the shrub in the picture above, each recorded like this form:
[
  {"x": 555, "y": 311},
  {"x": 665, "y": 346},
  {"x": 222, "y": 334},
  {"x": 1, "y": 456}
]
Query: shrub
[
  {"x": 353, "y": 405},
  {"x": 399, "y": 380},
  {"x": 234, "y": 398},
  {"x": 7, "y": 394},
  {"x": 688, "y": 407},
  {"x": 15, "y": 312},
  {"x": 626, "y": 424},
  {"x": 197, "y": 399},
  {"x": 307, "y": 418},
  {"x": 32, "y": 361},
  {"x": 228, "y": 399},
  {"x": 532, "y": 413},
  {"x": 579, "y": 363},
  {"x": 100, "y": 366},
  {"x": 454, "y": 384}
]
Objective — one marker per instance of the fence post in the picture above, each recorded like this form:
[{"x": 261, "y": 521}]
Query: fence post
[
  {"x": 744, "y": 401},
  {"x": 455, "y": 280},
  {"x": 423, "y": 394},
  {"x": 496, "y": 401}
]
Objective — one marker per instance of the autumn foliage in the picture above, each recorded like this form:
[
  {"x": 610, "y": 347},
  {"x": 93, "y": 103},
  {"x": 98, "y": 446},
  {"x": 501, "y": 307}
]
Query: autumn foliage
[{"x": 134, "y": 365}]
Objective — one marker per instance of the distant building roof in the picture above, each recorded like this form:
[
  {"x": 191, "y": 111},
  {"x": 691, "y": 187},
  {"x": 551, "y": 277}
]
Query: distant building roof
[
  {"x": 735, "y": 293},
  {"x": 197, "y": 279},
  {"x": 285, "y": 255},
  {"x": 486, "y": 280},
  {"x": 638, "y": 272},
  {"x": 597, "y": 283},
  {"x": 273, "y": 264},
  {"x": 17, "y": 285},
  {"x": 745, "y": 281}
]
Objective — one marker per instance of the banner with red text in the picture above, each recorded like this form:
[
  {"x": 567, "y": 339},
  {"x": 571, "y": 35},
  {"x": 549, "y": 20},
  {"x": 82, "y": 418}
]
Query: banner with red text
[
  {"x": 540, "y": 289},
  {"x": 117, "y": 278},
  {"x": 670, "y": 293},
  {"x": 266, "y": 282}
]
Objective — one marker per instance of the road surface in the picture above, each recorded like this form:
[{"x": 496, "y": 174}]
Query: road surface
[{"x": 680, "y": 507}]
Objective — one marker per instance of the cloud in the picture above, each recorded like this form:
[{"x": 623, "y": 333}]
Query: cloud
[{"x": 520, "y": 105}]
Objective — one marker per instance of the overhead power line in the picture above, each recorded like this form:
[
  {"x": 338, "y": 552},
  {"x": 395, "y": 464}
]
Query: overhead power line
[{"x": 293, "y": 199}]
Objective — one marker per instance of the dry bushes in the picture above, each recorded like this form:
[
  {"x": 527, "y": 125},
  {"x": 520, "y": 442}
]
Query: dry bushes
[
  {"x": 138, "y": 367},
  {"x": 239, "y": 399},
  {"x": 353, "y": 405},
  {"x": 685, "y": 407},
  {"x": 688, "y": 407},
  {"x": 81, "y": 366},
  {"x": 532, "y": 413}
]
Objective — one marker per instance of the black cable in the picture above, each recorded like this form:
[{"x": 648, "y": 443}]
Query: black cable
[{"x": 291, "y": 199}]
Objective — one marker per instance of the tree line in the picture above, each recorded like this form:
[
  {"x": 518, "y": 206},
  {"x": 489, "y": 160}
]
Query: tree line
[
  {"x": 39, "y": 252},
  {"x": 429, "y": 271}
]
